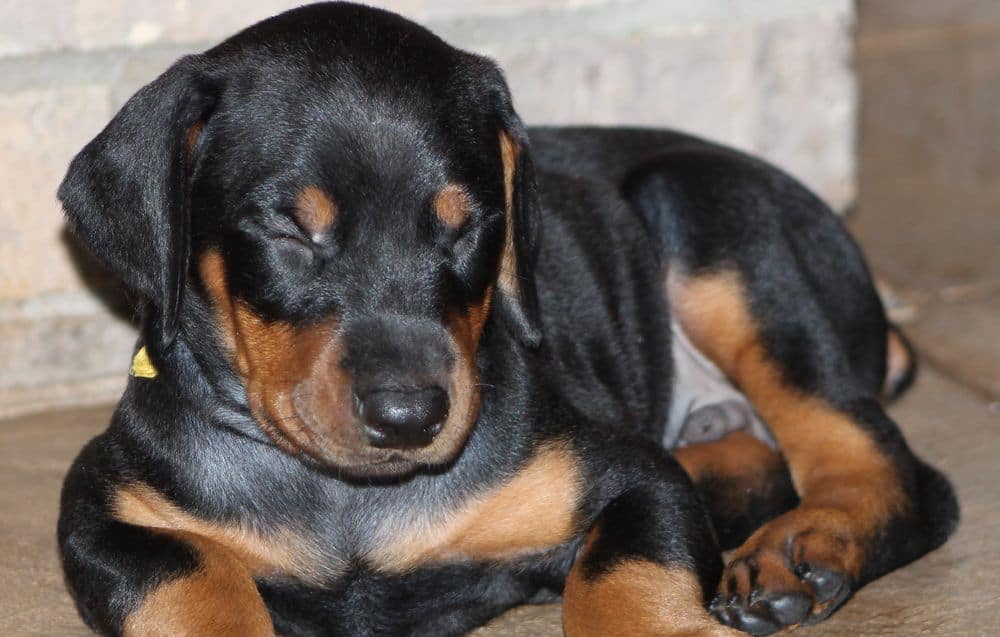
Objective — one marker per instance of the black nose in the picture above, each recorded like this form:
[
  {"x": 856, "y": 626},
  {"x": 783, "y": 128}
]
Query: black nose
[{"x": 403, "y": 419}]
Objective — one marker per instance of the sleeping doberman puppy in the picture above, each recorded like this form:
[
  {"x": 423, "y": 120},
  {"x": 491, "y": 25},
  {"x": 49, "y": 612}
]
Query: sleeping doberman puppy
[{"x": 405, "y": 364}]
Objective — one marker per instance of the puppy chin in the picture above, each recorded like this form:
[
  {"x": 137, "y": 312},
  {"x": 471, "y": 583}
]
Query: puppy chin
[
  {"x": 368, "y": 467},
  {"x": 367, "y": 462}
]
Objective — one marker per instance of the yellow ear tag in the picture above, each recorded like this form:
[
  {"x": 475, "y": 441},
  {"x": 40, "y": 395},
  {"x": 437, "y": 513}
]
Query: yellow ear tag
[{"x": 142, "y": 367}]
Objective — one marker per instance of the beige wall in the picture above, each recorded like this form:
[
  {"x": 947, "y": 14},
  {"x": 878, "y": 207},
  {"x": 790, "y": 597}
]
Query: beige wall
[{"x": 773, "y": 77}]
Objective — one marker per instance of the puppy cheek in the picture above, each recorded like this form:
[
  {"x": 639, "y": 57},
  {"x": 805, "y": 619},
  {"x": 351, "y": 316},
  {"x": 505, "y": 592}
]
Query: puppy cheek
[
  {"x": 296, "y": 386},
  {"x": 465, "y": 395},
  {"x": 327, "y": 415},
  {"x": 323, "y": 403}
]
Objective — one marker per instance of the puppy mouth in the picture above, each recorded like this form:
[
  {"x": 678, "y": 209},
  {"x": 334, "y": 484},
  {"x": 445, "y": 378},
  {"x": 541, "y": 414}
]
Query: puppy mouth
[
  {"x": 370, "y": 465},
  {"x": 317, "y": 417}
]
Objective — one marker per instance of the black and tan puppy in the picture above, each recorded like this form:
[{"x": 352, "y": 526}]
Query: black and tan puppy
[{"x": 405, "y": 364}]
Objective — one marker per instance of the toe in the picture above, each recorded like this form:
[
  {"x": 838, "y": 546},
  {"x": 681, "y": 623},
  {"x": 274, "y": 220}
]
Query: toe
[
  {"x": 832, "y": 589},
  {"x": 789, "y": 608},
  {"x": 755, "y": 619},
  {"x": 828, "y": 584}
]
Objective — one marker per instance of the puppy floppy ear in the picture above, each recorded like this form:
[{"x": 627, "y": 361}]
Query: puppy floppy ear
[
  {"x": 516, "y": 282},
  {"x": 125, "y": 194}
]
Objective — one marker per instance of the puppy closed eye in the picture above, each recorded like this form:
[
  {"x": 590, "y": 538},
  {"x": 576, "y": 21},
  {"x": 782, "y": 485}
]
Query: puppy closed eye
[
  {"x": 283, "y": 241},
  {"x": 295, "y": 253},
  {"x": 297, "y": 238},
  {"x": 281, "y": 226}
]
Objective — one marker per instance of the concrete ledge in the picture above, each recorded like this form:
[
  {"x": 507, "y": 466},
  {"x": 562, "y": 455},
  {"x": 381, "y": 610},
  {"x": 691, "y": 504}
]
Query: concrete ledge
[
  {"x": 88, "y": 25},
  {"x": 59, "y": 351},
  {"x": 20, "y": 401}
]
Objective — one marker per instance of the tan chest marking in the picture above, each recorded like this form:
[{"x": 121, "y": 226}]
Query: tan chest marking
[
  {"x": 533, "y": 511},
  {"x": 283, "y": 552}
]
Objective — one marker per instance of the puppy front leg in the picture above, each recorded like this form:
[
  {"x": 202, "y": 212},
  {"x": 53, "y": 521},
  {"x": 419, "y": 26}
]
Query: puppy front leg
[
  {"x": 133, "y": 580},
  {"x": 646, "y": 568}
]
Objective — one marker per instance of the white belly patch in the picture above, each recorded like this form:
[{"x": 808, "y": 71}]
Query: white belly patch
[{"x": 705, "y": 406}]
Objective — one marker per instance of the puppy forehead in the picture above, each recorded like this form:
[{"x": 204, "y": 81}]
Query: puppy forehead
[
  {"x": 345, "y": 168},
  {"x": 329, "y": 28},
  {"x": 373, "y": 110},
  {"x": 330, "y": 51},
  {"x": 359, "y": 71},
  {"x": 336, "y": 134}
]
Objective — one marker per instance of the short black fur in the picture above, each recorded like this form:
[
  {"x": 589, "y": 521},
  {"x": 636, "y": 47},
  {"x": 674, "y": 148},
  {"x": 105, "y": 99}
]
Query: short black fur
[{"x": 574, "y": 353}]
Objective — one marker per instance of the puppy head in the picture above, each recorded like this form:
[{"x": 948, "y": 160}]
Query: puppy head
[{"x": 353, "y": 202}]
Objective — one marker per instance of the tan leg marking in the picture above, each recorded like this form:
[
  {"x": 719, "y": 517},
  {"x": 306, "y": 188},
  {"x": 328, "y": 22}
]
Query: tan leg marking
[
  {"x": 846, "y": 483},
  {"x": 219, "y": 598},
  {"x": 281, "y": 553},
  {"x": 848, "y": 489},
  {"x": 736, "y": 455},
  {"x": 533, "y": 511},
  {"x": 637, "y": 599}
]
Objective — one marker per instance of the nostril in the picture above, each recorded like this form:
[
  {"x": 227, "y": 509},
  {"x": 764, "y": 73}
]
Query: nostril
[{"x": 403, "y": 418}]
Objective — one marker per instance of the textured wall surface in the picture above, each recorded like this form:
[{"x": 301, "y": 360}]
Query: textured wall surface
[{"x": 771, "y": 77}]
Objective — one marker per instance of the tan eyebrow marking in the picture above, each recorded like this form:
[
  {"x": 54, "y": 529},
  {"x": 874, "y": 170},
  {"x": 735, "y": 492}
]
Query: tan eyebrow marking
[
  {"x": 452, "y": 206},
  {"x": 315, "y": 210},
  {"x": 192, "y": 138}
]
